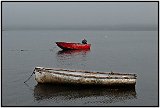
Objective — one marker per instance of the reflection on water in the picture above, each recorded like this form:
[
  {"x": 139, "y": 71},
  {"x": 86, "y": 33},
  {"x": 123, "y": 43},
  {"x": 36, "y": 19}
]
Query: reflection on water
[
  {"x": 72, "y": 53},
  {"x": 70, "y": 92},
  {"x": 66, "y": 58}
]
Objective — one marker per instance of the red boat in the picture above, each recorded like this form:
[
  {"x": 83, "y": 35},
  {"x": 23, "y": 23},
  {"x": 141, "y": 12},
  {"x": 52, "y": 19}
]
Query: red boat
[{"x": 74, "y": 46}]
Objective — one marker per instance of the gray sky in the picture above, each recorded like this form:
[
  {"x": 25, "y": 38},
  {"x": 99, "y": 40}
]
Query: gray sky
[{"x": 79, "y": 14}]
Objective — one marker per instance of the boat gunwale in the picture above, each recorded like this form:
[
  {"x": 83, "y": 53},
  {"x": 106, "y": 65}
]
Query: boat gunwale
[
  {"x": 130, "y": 76},
  {"x": 71, "y": 43}
]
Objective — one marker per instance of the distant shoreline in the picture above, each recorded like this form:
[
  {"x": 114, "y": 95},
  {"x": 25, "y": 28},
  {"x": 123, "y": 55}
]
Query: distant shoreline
[{"x": 108, "y": 28}]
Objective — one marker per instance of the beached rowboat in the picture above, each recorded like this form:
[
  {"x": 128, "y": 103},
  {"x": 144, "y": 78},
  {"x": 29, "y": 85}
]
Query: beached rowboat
[
  {"x": 73, "y": 46},
  {"x": 66, "y": 76}
]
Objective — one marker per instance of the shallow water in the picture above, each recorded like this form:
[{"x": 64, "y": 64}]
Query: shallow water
[{"x": 119, "y": 51}]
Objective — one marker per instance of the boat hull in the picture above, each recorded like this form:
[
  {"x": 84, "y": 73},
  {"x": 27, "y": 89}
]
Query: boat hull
[
  {"x": 72, "y": 46},
  {"x": 44, "y": 76}
]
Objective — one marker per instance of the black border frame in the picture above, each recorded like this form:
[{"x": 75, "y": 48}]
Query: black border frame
[{"x": 78, "y": 1}]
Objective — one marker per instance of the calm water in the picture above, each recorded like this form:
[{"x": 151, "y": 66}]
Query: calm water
[{"x": 122, "y": 51}]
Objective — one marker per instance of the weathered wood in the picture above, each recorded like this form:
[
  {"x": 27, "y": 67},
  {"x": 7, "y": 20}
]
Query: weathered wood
[
  {"x": 58, "y": 75},
  {"x": 71, "y": 70}
]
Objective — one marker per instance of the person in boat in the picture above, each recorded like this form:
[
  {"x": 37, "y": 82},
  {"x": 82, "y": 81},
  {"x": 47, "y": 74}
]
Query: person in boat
[{"x": 84, "y": 41}]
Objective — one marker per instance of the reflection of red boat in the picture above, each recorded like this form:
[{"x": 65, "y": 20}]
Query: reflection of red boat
[
  {"x": 73, "y": 52},
  {"x": 69, "y": 45}
]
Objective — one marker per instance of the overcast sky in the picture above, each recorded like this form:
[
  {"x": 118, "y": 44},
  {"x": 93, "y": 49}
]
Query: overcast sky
[{"x": 79, "y": 14}]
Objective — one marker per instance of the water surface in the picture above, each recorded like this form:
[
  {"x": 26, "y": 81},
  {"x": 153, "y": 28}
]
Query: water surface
[{"x": 119, "y": 51}]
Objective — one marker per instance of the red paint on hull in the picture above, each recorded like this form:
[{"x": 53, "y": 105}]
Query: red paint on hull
[{"x": 74, "y": 46}]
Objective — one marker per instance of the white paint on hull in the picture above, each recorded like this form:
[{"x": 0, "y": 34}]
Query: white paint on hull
[{"x": 51, "y": 77}]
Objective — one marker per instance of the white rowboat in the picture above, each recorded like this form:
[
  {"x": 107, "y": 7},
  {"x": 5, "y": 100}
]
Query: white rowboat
[{"x": 67, "y": 76}]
